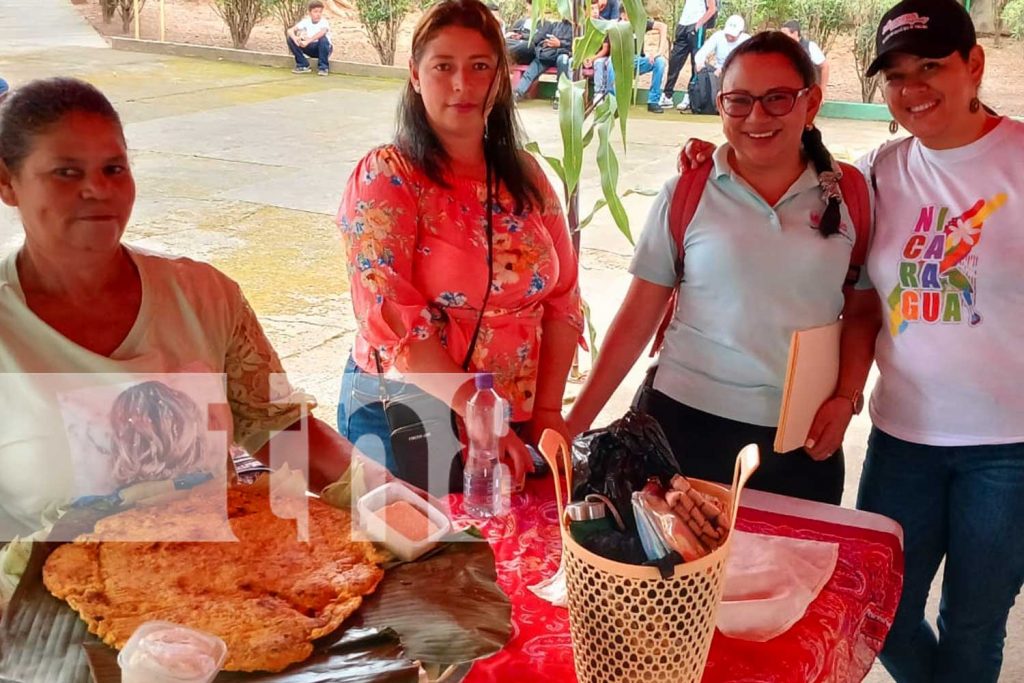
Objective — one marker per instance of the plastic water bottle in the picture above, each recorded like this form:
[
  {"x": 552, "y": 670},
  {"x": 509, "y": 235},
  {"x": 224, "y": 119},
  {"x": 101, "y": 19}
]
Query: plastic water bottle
[{"x": 485, "y": 425}]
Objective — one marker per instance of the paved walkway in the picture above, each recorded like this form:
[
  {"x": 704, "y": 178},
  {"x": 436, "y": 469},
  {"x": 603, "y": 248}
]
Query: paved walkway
[
  {"x": 34, "y": 25},
  {"x": 244, "y": 166}
]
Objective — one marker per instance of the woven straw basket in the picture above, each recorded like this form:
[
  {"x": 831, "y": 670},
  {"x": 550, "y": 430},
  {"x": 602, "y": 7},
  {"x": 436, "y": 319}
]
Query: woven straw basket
[{"x": 628, "y": 624}]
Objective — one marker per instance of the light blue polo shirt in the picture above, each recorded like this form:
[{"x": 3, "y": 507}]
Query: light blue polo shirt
[{"x": 754, "y": 273}]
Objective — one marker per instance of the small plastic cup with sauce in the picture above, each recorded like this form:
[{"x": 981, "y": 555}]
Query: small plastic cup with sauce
[{"x": 162, "y": 652}]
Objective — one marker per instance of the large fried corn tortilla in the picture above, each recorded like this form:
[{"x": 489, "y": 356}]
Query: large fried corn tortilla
[{"x": 268, "y": 596}]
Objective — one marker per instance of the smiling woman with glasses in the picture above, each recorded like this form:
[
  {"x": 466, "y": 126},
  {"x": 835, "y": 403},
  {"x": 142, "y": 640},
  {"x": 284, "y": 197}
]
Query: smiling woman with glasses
[
  {"x": 768, "y": 251},
  {"x": 776, "y": 102}
]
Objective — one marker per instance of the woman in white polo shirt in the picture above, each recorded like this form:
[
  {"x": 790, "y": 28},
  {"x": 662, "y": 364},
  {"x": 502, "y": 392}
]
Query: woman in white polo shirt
[{"x": 767, "y": 252}]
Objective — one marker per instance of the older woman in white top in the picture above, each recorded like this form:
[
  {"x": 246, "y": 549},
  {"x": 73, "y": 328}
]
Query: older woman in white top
[{"x": 95, "y": 335}]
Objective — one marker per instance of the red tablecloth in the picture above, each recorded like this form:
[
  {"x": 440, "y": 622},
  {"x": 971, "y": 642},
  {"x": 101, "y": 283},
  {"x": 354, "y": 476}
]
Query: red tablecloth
[{"x": 835, "y": 642}]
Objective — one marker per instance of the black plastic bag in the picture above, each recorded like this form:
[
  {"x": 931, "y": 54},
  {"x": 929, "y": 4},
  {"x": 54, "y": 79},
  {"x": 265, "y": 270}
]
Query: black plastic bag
[{"x": 619, "y": 459}]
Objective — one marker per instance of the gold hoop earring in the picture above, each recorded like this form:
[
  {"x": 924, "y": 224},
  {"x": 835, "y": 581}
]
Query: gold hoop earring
[
  {"x": 894, "y": 127},
  {"x": 975, "y": 105}
]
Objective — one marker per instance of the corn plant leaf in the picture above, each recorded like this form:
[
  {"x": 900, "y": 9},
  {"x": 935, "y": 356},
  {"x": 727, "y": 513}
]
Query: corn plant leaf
[
  {"x": 608, "y": 164},
  {"x": 589, "y": 44},
  {"x": 536, "y": 14},
  {"x": 598, "y": 205},
  {"x": 637, "y": 14},
  {"x": 623, "y": 53},
  {"x": 591, "y": 331},
  {"x": 554, "y": 162},
  {"x": 570, "y": 118}
]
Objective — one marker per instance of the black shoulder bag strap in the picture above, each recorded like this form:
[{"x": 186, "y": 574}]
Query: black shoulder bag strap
[{"x": 487, "y": 292}]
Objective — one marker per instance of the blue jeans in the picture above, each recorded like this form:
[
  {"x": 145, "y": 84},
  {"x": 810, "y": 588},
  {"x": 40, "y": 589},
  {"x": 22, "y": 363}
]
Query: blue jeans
[
  {"x": 964, "y": 505},
  {"x": 537, "y": 67},
  {"x": 321, "y": 49},
  {"x": 361, "y": 417},
  {"x": 643, "y": 65},
  {"x": 430, "y": 460}
]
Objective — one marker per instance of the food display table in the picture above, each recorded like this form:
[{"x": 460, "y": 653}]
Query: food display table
[{"x": 836, "y": 641}]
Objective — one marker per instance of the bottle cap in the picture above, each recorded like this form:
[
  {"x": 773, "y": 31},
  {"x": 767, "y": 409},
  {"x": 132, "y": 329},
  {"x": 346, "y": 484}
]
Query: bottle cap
[
  {"x": 484, "y": 381},
  {"x": 585, "y": 510}
]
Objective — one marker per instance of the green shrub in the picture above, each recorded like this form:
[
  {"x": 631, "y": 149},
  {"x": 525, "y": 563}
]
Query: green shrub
[
  {"x": 382, "y": 20},
  {"x": 822, "y": 20},
  {"x": 1013, "y": 18},
  {"x": 289, "y": 12},
  {"x": 241, "y": 16},
  {"x": 865, "y": 17}
]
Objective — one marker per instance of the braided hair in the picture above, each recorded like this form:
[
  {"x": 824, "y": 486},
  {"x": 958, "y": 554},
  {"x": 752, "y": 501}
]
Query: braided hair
[{"x": 778, "y": 43}]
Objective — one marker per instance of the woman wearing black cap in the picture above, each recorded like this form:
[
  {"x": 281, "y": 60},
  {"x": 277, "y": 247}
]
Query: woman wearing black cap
[{"x": 946, "y": 455}]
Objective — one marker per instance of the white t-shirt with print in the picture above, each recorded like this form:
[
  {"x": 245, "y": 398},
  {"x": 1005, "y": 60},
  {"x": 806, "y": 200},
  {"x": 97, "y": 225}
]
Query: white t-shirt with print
[
  {"x": 56, "y": 396},
  {"x": 946, "y": 262},
  {"x": 309, "y": 29}
]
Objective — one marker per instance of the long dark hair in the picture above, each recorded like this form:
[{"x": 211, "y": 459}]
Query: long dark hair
[
  {"x": 778, "y": 43},
  {"x": 502, "y": 142},
  {"x": 32, "y": 109}
]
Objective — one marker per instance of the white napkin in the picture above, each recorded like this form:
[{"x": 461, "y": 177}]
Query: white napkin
[
  {"x": 553, "y": 590},
  {"x": 769, "y": 583}
]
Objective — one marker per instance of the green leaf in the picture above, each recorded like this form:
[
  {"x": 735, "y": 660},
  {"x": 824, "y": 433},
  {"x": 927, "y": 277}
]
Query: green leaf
[
  {"x": 638, "y": 20},
  {"x": 565, "y": 9},
  {"x": 623, "y": 54},
  {"x": 570, "y": 118},
  {"x": 536, "y": 13},
  {"x": 608, "y": 164},
  {"x": 588, "y": 45},
  {"x": 554, "y": 162},
  {"x": 598, "y": 205},
  {"x": 591, "y": 331},
  {"x": 601, "y": 203}
]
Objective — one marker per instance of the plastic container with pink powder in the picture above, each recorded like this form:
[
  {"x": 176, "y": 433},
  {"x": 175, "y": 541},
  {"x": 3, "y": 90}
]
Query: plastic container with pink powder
[{"x": 162, "y": 652}]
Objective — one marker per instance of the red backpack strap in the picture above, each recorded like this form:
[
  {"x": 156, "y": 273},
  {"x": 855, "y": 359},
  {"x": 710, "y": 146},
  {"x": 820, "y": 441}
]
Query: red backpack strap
[
  {"x": 855, "y": 195},
  {"x": 685, "y": 199}
]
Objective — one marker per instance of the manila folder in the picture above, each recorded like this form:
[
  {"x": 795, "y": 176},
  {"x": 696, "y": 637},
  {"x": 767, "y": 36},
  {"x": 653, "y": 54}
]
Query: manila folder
[{"x": 811, "y": 377}]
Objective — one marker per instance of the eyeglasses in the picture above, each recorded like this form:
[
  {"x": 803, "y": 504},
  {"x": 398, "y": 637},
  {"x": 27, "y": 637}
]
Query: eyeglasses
[{"x": 777, "y": 102}]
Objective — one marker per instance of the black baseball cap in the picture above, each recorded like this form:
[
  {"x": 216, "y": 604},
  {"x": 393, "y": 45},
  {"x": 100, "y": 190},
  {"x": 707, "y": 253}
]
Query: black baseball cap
[{"x": 923, "y": 28}]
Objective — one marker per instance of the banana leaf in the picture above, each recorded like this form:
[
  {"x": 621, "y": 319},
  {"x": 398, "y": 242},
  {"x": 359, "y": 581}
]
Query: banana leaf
[{"x": 445, "y": 609}]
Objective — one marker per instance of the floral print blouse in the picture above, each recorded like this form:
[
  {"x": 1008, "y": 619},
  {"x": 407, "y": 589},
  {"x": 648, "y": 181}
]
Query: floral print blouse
[{"x": 423, "y": 248}]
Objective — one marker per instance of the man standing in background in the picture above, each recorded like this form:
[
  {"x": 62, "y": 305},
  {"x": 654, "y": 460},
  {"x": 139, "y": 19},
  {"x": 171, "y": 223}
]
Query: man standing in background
[
  {"x": 695, "y": 16},
  {"x": 792, "y": 29}
]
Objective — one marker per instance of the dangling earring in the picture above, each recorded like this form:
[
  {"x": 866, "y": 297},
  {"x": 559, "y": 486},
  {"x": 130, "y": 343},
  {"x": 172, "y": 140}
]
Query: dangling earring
[
  {"x": 975, "y": 105},
  {"x": 894, "y": 127}
]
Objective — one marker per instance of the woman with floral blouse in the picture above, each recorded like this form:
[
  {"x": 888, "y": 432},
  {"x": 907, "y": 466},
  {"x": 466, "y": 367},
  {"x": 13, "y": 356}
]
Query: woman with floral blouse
[{"x": 421, "y": 233}]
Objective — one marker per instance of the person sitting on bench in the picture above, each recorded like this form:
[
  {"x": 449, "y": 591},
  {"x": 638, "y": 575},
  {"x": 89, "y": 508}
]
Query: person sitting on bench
[{"x": 553, "y": 49}]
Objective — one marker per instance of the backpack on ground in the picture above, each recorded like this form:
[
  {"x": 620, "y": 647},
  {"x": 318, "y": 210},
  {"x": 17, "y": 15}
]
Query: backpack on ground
[
  {"x": 702, "y": 93},
  {"x": 686, "y": 198}
]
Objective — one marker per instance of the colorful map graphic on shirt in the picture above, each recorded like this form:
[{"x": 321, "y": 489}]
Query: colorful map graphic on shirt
[{"x": 938, "y": 268}]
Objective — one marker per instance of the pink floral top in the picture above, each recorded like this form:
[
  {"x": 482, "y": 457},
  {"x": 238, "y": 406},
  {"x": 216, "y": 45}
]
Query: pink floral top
[{"x": 423, "y": 248}]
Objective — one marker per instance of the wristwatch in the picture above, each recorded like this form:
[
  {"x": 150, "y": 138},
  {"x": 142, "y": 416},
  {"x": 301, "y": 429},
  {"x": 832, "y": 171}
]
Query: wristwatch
[{"x": 856, "y": 399}]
